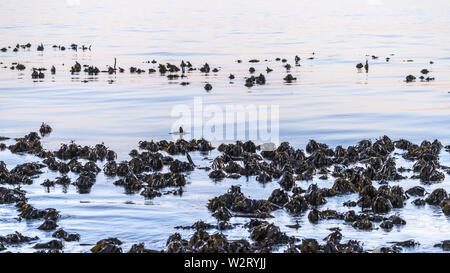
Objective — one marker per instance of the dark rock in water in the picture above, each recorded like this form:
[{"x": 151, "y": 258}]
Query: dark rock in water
[
  {"x": 313, "y": 216},
  {"x": 342, "y": 186},
  {"x": 234, "y": 200},
  {"x": 410, "y": 78},
  {"x": 217, "y": 174},
  {"x": 111, "y": 155},
  {"x": 208, "y": 87},
  {"x": 45, "y": 129},
  {"x": 69, "y": 237},
  {"x": 91, "y": 167},
  {"x": 363, "y": 223},
  {"x": 263, "y": 177},
  {"x": 381, "y": 205},
  {"x": 76, "y": 68},
  {"x": 297, "y": 204},
  {"x": 249, "y": 82},
  {"x": 315, "y": 196},
  {"x": 27, "y": 211},
  {"x": 403, "y": 144},
  {"x": 408, "y": 243},
  {"x": 278, "y": 197},
  {"x": 307, "y": 246},
  {"x": 53, "y": 244},
  {"x": 205, "y": 68},
  {"x": 139, "y": 248},
  {"x": 251, "y": 70},
  {"x": 28, "y": 144},
  {"x": 10, "y": 196},
  {"x": 16, "y": 238},
  {"x": 350, "y": 216},
  {"x": 268, "y": 235},
  {"x": 163, "y": 180},
  {"x": 313, "y": 146},
  {"x": 20, "y": 67},
  {"x": 85, "y": 182},
  {"x": 51, "y": 214},
  {"x": 424, "y": 71},
  {"x": 253, "y": 61},
  {"x": 175, "y": 244},
  {"x": 223, "y": 225},
  {"x": 393, "y": 249},
  {"x": 232, "y": 167},
  {"x": 428, "y": 172},
  {"x": 199, "y": 225},
  {"x": 222, "y": 213},
  {"x": 350, "y": 204},
  {"x": 130, "y": 182},
  {"x": 202, "y": 242},
  {"x": 445, "y": 245},
  {"x": 178, "y": 166},
  {"x": 359, "y": 66},
  {"x": 231, "y": 77},
  {"x": 261, "y": 80},
  {"x": 150, "y": 193},
  {"x": 28, "y": 169},
  {"x": 396, "y": 220},
  {"x": 40, "y": 47},
  {"x": 436, "y": 197},
  {"x": 289, "y": 78},
  {"x": 110, "y": 245},
  {"x": 48, "y": 224},
  {"x": 416, "y": 191},
  {"x": 92, "y": 70},
  {"x": 419, "y": 202},
  {"x": 287, "y": 181},
  {"x": 335, "y": 236},
  {"x": 446, "y": 208}
]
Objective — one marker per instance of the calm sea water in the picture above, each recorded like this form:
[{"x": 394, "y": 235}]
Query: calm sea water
[{"x": 330, "y": 101}]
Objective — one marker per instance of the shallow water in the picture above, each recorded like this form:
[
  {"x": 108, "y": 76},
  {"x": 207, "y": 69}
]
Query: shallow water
[{"x": 330, "y": 102}]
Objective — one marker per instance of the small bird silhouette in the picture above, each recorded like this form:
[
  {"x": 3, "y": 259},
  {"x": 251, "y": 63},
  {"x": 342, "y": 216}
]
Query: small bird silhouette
[{"x": 180, "y": 132}]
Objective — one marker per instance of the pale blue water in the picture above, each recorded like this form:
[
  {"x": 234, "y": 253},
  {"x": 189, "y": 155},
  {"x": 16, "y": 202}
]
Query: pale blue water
[{"x": 330, "y": 101}]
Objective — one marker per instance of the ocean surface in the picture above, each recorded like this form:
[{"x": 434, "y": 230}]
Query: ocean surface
[{"x": 331, "y": 101}]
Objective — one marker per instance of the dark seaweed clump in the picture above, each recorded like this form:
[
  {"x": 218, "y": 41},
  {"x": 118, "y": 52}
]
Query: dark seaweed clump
[{"x": 157, "y": 168}]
